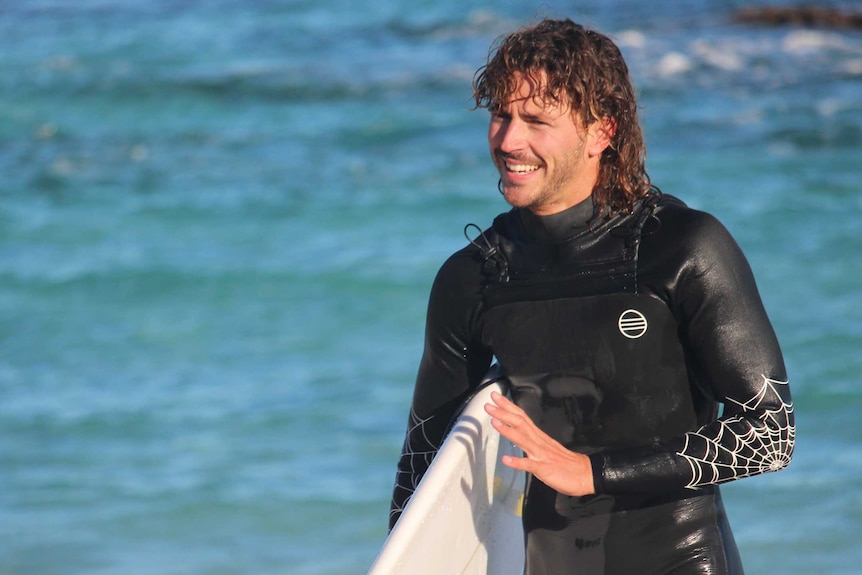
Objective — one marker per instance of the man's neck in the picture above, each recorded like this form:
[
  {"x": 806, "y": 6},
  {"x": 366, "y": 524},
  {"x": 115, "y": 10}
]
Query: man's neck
[{"x": 560, "y": 225}]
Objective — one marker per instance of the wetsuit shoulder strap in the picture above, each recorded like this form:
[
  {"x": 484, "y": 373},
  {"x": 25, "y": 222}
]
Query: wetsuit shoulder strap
[{"x": 495, "y": 265}]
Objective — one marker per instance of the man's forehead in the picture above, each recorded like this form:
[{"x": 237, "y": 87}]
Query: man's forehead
[
  {"x": 532, "y": 89},
  {"x": 527, "y": 84}
]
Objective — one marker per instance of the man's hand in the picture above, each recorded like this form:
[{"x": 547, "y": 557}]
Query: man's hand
[{"x": 566, "y": 471}]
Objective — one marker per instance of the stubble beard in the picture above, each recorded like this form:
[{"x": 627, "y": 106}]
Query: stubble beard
[{"x": 549, "y": 192}]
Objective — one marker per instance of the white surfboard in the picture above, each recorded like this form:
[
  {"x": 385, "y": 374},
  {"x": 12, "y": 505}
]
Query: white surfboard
[{"x": 465, "y": 516}]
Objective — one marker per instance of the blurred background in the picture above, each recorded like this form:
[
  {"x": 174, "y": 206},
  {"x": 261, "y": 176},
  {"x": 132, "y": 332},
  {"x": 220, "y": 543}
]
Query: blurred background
[{"x": 219, "y": 222}]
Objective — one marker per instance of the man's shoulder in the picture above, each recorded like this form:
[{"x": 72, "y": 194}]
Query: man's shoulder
[
  {"x": 687, "y": 235},
  {"x": 483, "y": 239},
  {"x": 466, "y": 264},
  {"x": 678, "y": 218}
]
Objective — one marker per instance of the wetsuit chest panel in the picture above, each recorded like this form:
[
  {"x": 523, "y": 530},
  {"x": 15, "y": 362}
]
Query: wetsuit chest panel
[{"x": 595, "y": 372}]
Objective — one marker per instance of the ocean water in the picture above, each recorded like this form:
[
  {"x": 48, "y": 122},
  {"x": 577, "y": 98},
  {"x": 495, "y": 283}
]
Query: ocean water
[{"x": 219, "y": 222}]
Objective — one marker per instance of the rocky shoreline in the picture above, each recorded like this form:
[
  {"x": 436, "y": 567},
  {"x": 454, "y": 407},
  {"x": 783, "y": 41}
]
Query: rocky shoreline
[{"x": 806, "y": 16}]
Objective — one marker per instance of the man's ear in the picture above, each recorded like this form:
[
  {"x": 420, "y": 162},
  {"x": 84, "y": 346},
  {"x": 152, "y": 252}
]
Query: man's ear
[{"x": 601, "y": 132}]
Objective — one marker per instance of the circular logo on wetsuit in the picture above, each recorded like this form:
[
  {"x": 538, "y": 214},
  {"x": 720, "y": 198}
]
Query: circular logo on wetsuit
[{"x": 632, "y": 324}]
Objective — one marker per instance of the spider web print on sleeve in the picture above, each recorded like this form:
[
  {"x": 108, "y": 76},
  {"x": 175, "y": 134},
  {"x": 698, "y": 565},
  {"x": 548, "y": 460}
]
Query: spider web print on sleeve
[
  {"x": 755, "y": 441},
  {"x": 417, "y": 455}
]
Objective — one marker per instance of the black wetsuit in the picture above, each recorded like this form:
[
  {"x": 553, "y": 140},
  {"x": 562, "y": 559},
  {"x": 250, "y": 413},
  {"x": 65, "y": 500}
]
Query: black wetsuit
[{"x": 639, "y": 340}]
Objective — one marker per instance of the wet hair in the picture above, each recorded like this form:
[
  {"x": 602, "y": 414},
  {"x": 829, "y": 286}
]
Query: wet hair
[{"x": 585, "y": 70}]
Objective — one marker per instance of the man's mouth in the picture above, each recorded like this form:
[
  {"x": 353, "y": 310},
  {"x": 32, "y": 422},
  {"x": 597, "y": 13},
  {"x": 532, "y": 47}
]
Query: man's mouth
[{"x": 518, "y": 168}]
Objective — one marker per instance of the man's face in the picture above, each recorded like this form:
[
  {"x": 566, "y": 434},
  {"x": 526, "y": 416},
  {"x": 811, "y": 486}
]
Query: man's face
[{"x": 543, "y": 153}]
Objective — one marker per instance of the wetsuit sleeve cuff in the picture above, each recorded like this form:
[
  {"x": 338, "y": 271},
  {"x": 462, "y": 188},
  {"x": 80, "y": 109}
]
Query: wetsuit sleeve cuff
[
  {"x": 597, "y": 461},
  {"x": 647, "y": 469}
]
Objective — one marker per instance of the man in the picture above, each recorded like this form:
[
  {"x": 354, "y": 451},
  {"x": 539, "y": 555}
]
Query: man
[{"x": 643, "y": 369}]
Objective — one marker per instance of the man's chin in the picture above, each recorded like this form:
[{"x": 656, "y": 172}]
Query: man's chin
[{"x": 517, "y": 197}]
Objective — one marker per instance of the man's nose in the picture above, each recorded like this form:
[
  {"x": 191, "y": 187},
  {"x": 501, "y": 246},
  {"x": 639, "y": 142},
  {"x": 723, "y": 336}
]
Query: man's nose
[{"x": 511, "y": 136}]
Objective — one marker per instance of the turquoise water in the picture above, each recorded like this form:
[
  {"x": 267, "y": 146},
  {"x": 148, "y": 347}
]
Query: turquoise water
[{"x": 219, "y": 222}]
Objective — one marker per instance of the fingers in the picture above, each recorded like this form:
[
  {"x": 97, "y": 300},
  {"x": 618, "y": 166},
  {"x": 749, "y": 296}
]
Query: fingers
[
  {"x": 520, "y": 463},
  {"x": 502, "y": 401},
  {"x": 505, "y": 410},
  {"x": 513, "y": 423},
  {"x": 561, "y": 469},
  {"x": 506, "y": 420},
  {"x": 516, "y": 435}
]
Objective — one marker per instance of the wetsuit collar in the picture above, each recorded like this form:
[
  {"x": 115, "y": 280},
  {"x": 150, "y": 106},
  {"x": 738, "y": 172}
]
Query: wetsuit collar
[{"x": 557, "y": 227}]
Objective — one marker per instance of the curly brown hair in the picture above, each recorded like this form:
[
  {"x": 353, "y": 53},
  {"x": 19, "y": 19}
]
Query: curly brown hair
[{"x": 587, "y": 69}]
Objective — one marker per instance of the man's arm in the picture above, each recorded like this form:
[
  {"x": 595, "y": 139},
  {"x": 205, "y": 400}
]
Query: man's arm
[
  {"x": 453, "y": 364},
  {"x": 735, "y": 359}
]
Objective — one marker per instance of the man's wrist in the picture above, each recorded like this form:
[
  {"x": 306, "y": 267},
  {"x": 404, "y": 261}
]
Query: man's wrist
[{"x": 597, "y": 462}]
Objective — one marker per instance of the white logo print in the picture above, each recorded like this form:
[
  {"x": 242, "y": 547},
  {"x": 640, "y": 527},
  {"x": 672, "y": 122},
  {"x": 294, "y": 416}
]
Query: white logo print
[{"x": 632, "y": 324}]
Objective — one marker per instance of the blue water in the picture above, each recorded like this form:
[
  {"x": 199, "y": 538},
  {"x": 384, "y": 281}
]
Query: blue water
[{"x": 219, "y": 221}]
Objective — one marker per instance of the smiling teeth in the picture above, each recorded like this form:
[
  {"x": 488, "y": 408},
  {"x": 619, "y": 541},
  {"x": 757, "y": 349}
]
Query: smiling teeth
[{"x": 521, "y": 169}]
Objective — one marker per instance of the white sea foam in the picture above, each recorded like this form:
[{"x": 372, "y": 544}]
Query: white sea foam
[
  {"x": 807, "y": 41},
  {"x": 673, "y": 64},
  {"x": 852, "y": 67},
  {"x": 631, "y": 39},
  {"x": 722, "y": 57}
]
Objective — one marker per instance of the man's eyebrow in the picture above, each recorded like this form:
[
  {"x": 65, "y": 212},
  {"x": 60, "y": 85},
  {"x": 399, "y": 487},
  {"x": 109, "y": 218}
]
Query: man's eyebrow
[
  {"x": 543, "y": 116},
  {"x": 546, "y": 113}
]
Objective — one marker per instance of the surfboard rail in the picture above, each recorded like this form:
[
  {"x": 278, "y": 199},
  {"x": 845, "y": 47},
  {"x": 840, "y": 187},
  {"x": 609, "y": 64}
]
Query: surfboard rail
[{"x": 465, "y": 516}]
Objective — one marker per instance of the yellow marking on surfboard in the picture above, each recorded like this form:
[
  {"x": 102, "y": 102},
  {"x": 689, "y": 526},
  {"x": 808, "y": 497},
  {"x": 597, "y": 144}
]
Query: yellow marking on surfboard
[{"x": 516, "y": 509}]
